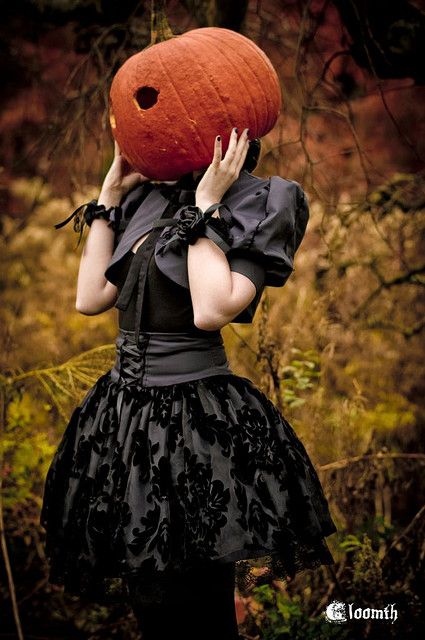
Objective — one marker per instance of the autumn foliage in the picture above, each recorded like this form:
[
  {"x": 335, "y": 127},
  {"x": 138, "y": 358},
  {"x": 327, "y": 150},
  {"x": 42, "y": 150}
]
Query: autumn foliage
[{"x": 338, "y": 349}]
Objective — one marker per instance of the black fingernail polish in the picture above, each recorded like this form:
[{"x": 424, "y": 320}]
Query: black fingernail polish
[
  {"x": 236, "y": 129},
  {"x": 218, "y": 137}
]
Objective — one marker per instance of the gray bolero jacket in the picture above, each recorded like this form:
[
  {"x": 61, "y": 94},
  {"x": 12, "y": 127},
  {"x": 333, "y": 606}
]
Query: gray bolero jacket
[{"x": 268, "y": 219}]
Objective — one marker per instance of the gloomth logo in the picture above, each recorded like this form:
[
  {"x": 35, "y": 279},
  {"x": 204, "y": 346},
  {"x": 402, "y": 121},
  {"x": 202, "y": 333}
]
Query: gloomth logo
[{"x": 340, "y": 612}]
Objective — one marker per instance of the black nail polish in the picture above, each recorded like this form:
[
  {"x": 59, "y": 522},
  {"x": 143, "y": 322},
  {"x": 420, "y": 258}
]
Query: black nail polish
[
  {"x": 218, "y": 137},
  {"x": 236, "y": 129}
]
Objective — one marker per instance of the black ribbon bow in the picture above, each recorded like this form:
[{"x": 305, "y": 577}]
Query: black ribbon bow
[{"x": 92, "y": 210}]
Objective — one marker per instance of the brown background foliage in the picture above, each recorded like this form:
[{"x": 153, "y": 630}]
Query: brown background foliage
[{"x": 339, "y": 348}]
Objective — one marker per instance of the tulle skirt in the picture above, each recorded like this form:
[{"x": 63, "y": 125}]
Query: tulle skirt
[{"x": 149, "y": 480}]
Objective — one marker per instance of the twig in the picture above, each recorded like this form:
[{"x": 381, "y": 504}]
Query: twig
[
  {"x": 407, "y": 530},
  {"x": 341, "y": 464},
  {"x": 406, "y": 278},
  {"x": 330, "y": 590},
  {"x": 4, "y": 550}
]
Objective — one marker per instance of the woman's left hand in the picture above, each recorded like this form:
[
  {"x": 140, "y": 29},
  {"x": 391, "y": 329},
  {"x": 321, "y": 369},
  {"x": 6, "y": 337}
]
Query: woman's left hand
[{"x": 222, "y": 173}]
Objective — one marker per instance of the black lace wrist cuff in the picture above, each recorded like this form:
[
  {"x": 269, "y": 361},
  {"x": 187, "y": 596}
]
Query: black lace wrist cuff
[
  {"x": 92, "y": 211},
  {"x": 95, "y": 211}
]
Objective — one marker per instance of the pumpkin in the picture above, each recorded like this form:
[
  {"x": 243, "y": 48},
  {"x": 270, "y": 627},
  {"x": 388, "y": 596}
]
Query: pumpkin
[{"x": 169, "y": 101}]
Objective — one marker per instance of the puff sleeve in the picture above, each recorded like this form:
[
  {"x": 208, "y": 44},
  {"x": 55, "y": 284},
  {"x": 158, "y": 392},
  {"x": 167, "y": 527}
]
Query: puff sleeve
[
  {"x": 267, "y": 229},
  {"x": 268, "y": 226},
  {"x": 267, "y": 220}
]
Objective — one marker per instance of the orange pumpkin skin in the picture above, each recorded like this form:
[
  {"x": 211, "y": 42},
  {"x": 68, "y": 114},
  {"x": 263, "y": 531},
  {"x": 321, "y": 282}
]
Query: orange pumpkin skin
[{"x": 191, "y": 88}]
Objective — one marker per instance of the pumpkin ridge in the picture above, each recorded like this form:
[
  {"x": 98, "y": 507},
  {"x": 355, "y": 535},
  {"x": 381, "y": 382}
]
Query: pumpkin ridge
[
  {"x": 268, "y": 103},
  {"x": 269, "y": 65},
  {"x": 267, "y": 62},
  {"x": 199, "y": 139},
  {"x": 257, "y": 52},
  {"x": 245, "y": 85},
  {"x": 231, "y": 124}
]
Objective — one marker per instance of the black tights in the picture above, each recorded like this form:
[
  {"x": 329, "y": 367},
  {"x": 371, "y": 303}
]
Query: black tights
[{"x": 199, "y": 605}]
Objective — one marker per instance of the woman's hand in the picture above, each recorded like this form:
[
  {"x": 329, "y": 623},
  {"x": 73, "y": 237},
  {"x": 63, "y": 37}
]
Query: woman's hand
[
  {"x": 218, "y": 294},
  {"x": 222, "y": 173},
  {"x": 119, "y": 180},
  {"x": 95, "y": 293}
]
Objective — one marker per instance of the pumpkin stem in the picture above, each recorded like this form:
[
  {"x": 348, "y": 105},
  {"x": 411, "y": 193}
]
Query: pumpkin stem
[{"x": 160, "y": 28}]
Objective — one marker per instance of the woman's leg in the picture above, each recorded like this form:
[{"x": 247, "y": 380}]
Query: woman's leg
[{"x": 197, "y": 605}]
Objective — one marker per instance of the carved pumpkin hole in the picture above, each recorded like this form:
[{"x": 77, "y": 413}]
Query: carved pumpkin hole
[{"x": 146, "y": 97}]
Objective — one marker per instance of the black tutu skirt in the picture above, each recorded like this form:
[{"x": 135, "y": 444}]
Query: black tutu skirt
[{"x": 149, "y": 480}]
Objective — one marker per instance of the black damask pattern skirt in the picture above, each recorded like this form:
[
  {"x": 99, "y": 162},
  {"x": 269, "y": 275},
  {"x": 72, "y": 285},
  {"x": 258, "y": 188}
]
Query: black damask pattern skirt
[{"x": 149, "y": 480}]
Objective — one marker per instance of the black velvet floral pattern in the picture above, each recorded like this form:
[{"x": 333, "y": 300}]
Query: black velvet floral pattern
[{"x": 148, "y": 480}]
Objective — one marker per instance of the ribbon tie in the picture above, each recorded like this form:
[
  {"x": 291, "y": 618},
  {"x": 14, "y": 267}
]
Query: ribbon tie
[
  {"x": 192, "y": 223},
  {"x": 92, "y": 210}
]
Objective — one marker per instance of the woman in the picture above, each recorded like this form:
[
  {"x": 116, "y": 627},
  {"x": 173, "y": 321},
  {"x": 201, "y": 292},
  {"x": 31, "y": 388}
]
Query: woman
[{"x": 174, "y": 472}]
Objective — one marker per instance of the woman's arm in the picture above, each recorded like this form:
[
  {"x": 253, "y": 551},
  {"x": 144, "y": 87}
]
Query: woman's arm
[
  {"x": 95, "y": 293},
  {"x": 218, "y": 294}
]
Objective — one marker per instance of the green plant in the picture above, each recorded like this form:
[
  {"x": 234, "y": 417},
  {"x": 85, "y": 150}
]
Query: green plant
[{"x": 300, "y": 374}]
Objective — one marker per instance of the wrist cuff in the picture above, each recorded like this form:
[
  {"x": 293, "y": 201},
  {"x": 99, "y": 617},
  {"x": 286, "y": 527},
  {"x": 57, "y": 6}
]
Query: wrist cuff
[
  {"x": 193, "y": 223},
  {"x": 92, "y": 210},
  {"x": 218, "y": 230}
]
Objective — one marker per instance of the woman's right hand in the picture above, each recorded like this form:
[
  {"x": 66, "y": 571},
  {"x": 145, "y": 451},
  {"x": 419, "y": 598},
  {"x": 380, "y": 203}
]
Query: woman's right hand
[{"x": 119, "y": 180}]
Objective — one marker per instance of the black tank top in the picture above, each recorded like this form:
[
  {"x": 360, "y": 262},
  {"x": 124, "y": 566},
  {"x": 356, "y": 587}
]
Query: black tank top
[{"x": 166, "y": 305}]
